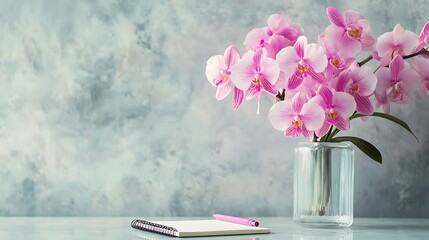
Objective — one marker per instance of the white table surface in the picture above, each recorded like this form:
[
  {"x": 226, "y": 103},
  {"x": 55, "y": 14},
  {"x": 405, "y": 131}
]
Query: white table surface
[{"x": 281, "y": 228}]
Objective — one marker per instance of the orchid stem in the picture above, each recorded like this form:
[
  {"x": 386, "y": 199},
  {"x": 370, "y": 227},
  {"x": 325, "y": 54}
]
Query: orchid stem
[{"x": 365, "y": 60}]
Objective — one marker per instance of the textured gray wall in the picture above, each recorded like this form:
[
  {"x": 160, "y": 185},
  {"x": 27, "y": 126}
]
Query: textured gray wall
[{"x": 105, "y": 110}]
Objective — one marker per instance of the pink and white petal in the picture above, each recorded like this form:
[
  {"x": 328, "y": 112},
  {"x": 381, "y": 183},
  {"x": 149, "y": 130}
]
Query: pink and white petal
[
  {"x": 238, "y": 98},
  {"x": 320, "y": 101},
  {"x": 342, "y": 123},
  {"x": 424, "y": 88},
  {"x": 292, "y": 131},
  {"x": 381, "y": 98},
  {"x": 334, "y": 34},
  {"x": 300, "y": 45},
  {"x": 280, "y": 115},
  {"x": 351, "y": 17},
  {"x": 384, "y": 80},
  {"x": 290, "y": 33},
  {"x": 323, "y": 130},
  {"x": 396, "y": 66},
  {"x": 398, "y": 34},
  {"x": 309, "y": 135},
  {"x": 231, "y": 56},
  {"x": 363, "y": 105},
  {"x": 223, "y": 90},
  {"x": 335, "y": 16},
  {"x": 326, "y": 94},
  {"x": 409, "y": 42},
  {"x": 215, "y": 65},
  {"x": 411, "y": 80},
  {"x": 275, "y": 44},
  {"x": 253, "y": 91},
  {"x": 270, "y": 70},
  {"x": 288, "y": 61},
  {"x": 366, "y": 79},
  {"x": 243, "y": 72},
  {"x": 312, "y": 115},
  {"x": 294, "y": 81},
  {"x": 276, "y": 22},
  {"x": 316, "y": 57},
  {"x": 386, "y": 107},
  {"x": 425, "y": 30},
  {"x": 298, "y": 101},
  {"x": 349, "y": 47},
  {"x": 344, "y": 104},
  {"x": 421, "y": 65},
  {"x": 255, "y": 38},
  {"x": 257, "y": 58},
  {"x": 268, "y": 87},
  {"x": 385, "y": 44},
  {"x": 317, "y": 77},
  {"x": 367, "y": 43}
]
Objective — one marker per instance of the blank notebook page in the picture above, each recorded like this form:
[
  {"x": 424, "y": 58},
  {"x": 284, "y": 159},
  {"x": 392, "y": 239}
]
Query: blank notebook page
[{"x": 194, "y": 228}]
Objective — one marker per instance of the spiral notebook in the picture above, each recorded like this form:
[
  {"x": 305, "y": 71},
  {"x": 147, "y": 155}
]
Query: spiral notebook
[{"x": 196, "y": 228}]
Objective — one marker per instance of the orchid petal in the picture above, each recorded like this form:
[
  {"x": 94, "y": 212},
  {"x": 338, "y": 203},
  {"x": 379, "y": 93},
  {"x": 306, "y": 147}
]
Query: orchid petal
[
  {"x": 411, "y": 80},
  {"x": 275, "y": 44},
  {"x": 257, "y": 57},
  {"x": 351, "y": 16},
  {"x": 425, "y": 30},
  {"x": 255, "y": 38},
  {"x": 243, "y": 73},
  {"x": 421, "y": 66},
  {"x": 288, "y": 61},
  {"x": 316, "y": 57},
  {"x": 293, "y": 131},
  {"x": 367, "y": 43},
  {"x": 309, "y": 135},
  {"x": 384, "y": 78},
  {"x": 344, "y": 104},
  {"x": 323, "y": 130},
  {"x": 318, "y": 77},
  {"x": 299, "y": 46},
  {"x": 335, "y": 17},
  {"x": 409, "y": 40},
  {"x": 396, "y": 66},
  {"x": 342, "y": 123},
  {"x": 385, "y": 44},
  {"x": 398, "y": 33},
  {"x": 277, "y": 22},
  {"x": 238, "y": 98},
  {"x": 232, "y": 56},
  {"x": 214, "y": 66},
  {"x": 290, "y": 33},
  {"x": 223, "y": 90},
  {"x": 312, "y": 115},
  {"x": 270, "y": 69},
  {"x": 280, "y": 115},
  {"x": 294, "y": 81},
  {"x": 326, "y": 94},
  {"x": 363, "y": 105},
  {"x": 366, "y": 80},
  {"x": 298, "y": 101},
  {"x": 268, "y": 87},
  {"x": 349, "y": 47}
]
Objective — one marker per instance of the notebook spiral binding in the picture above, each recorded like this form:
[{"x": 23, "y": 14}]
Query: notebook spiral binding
[{"x": 154, "y": 227}]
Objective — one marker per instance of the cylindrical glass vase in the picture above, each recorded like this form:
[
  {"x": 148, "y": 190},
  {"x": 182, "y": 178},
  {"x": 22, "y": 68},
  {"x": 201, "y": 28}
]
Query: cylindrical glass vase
[{"x": 323, "y": 184}]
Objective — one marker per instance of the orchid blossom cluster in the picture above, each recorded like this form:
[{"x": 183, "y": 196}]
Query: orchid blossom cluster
[{"x": 320, "y": 87}]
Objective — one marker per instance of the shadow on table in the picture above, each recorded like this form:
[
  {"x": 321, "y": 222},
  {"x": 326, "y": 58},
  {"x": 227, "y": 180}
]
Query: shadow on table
[{"x": 391, "y": 226}]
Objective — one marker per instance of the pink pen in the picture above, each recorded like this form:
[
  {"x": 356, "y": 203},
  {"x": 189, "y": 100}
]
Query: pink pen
[{"x": 244, "y": 221}]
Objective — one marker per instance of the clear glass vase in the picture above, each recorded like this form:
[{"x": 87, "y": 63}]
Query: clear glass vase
[{"x": 323, "y": 184}]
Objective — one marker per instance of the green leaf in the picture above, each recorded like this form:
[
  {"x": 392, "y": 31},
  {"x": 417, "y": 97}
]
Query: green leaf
[
  {"x": 391, "y": 118},
  {"x": 363, "y": 145}
]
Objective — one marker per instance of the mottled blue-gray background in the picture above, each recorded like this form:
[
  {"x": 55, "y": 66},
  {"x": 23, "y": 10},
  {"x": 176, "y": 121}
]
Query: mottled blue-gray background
[{"x": 105, "y": 110}]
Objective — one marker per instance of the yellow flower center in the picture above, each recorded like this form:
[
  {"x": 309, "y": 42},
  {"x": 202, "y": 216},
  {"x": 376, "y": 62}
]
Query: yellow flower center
[
  {"x": 257, "y": 81},
  {"x": 332, "y": 114},
  {"x": 335, "y": 62},
  {"x": 302, "y": 68},
  {"x": 225, "y": 77},
  {"x": 297, "y": 123},
  {"x": 354, "y": 32},
  {"x": 354, "y": 89}
]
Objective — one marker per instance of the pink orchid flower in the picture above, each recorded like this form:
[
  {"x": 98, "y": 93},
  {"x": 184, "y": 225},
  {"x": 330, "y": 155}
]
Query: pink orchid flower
[
  {"x": 350, "y": 32},
  {"x": 423, "y": 40},
  {"x": 421, "y": 66},
  {"x": 297, "y": 116},
  {"x": 398, "y": 42},
  {"x": 301, "y": 61},
  {"x": 359, "y": 82},
  {"x": 396, "y": 83},
  {"x": 338, "y": 106},
  {"x": 218, "y": 72},
  {"x": 254, "y": 73},
  {"x": 280, "y": 33},
  {"x": 336, "y": 63}
]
